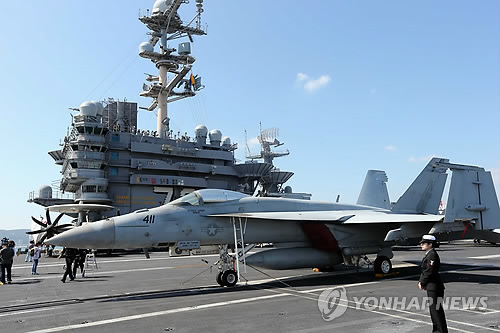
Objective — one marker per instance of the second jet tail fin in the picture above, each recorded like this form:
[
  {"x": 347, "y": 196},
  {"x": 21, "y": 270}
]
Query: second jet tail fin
[
  {"x": 424, "y": 194},
  {"x": 472, "y": 197},
  {"x": 374, "y": 191}
]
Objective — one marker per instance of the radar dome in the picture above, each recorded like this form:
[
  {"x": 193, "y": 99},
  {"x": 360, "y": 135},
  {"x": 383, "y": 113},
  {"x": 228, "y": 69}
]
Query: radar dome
[
  {"x": 146, "y": 47},
  {"x": 200, "y": 131},
  {"x": 215, "y": 137},
  {"x": 99, "y": 108},
  {"x": 45, "y": 192},
  {"x": 88, "y": 109},
  {"x": 160, "y": 6},
  {"x": 226, "y": 141}
]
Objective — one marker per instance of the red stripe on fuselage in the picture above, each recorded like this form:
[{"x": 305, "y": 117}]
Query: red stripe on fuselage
[{"x": 321, "y": 237}]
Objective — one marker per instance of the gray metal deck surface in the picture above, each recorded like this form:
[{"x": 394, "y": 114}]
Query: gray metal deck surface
[{"x": 131, "y": 294}]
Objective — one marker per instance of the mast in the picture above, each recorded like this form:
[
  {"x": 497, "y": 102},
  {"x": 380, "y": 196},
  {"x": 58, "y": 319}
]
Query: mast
[{"x": 165, "y": 25}]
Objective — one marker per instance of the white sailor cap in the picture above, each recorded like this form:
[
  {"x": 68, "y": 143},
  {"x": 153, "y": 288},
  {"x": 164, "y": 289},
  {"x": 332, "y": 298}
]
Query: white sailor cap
[{"x": 428, "y": 239}]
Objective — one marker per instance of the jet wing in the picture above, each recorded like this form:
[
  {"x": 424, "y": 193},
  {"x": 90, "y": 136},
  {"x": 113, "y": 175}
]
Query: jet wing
[{"x": 343, "y": 217}]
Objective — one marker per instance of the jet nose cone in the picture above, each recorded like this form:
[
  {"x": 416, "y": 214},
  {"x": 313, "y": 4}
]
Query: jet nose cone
[{"x": 95, "y": 235}]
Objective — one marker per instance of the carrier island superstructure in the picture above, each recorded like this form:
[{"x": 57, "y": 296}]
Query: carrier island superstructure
[{"x": 108, "y": 162}]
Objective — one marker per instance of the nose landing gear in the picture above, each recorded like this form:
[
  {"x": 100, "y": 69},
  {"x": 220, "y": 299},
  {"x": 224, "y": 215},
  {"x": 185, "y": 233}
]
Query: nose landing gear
[
  {"x": 227, "y": 275},
  {"x": 227, "y": 278}
]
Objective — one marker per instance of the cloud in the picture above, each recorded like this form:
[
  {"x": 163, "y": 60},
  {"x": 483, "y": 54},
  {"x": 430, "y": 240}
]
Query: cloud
[
  {"x": 390, "y": 148},
  {"x": 311, "y": 84},
  {"x": 254, "y": 142},
  {"x": 253, "y": 146},
  {"x": 302, "y": 77}
]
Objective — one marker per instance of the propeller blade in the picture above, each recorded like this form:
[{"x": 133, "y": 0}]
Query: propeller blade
[
  {"x": 63, "y": 228},
  {"x": 47, "y": 214},
  {"x": 37, "y": 239},
  {"x": 58, "y": 218},
  {"x": 43, "y": 238},
  {"x": 38, "y": 222},
  {"x": 34, "y": 232}
]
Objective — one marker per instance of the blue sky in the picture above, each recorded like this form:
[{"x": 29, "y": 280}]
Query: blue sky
[{"x": 352, "y": 85}]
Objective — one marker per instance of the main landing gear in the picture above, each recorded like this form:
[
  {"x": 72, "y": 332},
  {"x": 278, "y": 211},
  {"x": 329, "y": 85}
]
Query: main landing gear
[{"x": 382, "y": 265}]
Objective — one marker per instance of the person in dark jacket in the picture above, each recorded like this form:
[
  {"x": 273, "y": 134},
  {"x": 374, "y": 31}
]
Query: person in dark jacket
[
  {"x": 80, "y": 262},
  {"x": 6, "y": 260},
  {"x": 69, "y": 255},
  {"x": 431, "y": 282}
]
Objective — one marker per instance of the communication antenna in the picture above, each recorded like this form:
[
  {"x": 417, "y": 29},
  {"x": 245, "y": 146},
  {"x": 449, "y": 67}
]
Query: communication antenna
[
  {"x": 246, "y": 144},
  {"x": 199, "y": 9}
]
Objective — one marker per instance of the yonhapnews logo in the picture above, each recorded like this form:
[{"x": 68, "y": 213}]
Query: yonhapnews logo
[{"x": 332, "y": 303}]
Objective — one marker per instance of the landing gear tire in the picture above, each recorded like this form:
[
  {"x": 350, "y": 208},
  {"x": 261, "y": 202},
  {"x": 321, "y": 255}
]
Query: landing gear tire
[
  {"x": 219, "y": 279},
  {"x": 229, "y": 278},
  {"x": 383, "y": 265}
]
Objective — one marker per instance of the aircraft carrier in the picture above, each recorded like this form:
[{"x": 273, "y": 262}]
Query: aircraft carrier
[
  {"x": 128, "y": 293},
  {"x": 110, "y": 167}
]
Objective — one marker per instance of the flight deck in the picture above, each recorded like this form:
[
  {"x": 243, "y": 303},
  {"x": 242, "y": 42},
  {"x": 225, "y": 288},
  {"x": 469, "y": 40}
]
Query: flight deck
[{"x": 128, "y": 293}]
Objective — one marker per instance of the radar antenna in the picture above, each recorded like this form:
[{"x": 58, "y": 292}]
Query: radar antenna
[{"x": 267, "y": 140}]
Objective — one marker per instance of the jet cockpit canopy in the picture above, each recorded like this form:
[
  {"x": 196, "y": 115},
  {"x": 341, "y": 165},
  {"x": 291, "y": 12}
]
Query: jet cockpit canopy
[{"x": 205, "y": 196}]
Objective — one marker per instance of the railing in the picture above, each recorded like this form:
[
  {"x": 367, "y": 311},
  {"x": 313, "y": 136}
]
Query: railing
[
  {"x": 144, "y": 14},
  {"x": 96, "y": 196},
  {"x": 85, "y": 138},
  {"x": 90, "y": 155},
  {"x": 86, "y": 173},
  {"x": 55, "y": 195}
]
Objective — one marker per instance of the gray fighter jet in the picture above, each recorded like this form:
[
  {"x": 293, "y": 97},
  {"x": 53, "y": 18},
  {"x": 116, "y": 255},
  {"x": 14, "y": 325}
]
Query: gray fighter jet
[{"x": 305, "y": 233}]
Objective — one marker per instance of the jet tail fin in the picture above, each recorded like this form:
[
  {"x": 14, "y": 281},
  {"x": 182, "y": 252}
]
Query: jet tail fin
[
  {"x": 473, "y": 197},
  {"x": 374, "y": 191},
  {"x": 424, "y": 194}
]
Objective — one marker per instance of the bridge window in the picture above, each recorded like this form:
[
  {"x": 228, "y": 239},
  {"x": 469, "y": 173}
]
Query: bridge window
[{"x": 89, "y": 188}]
